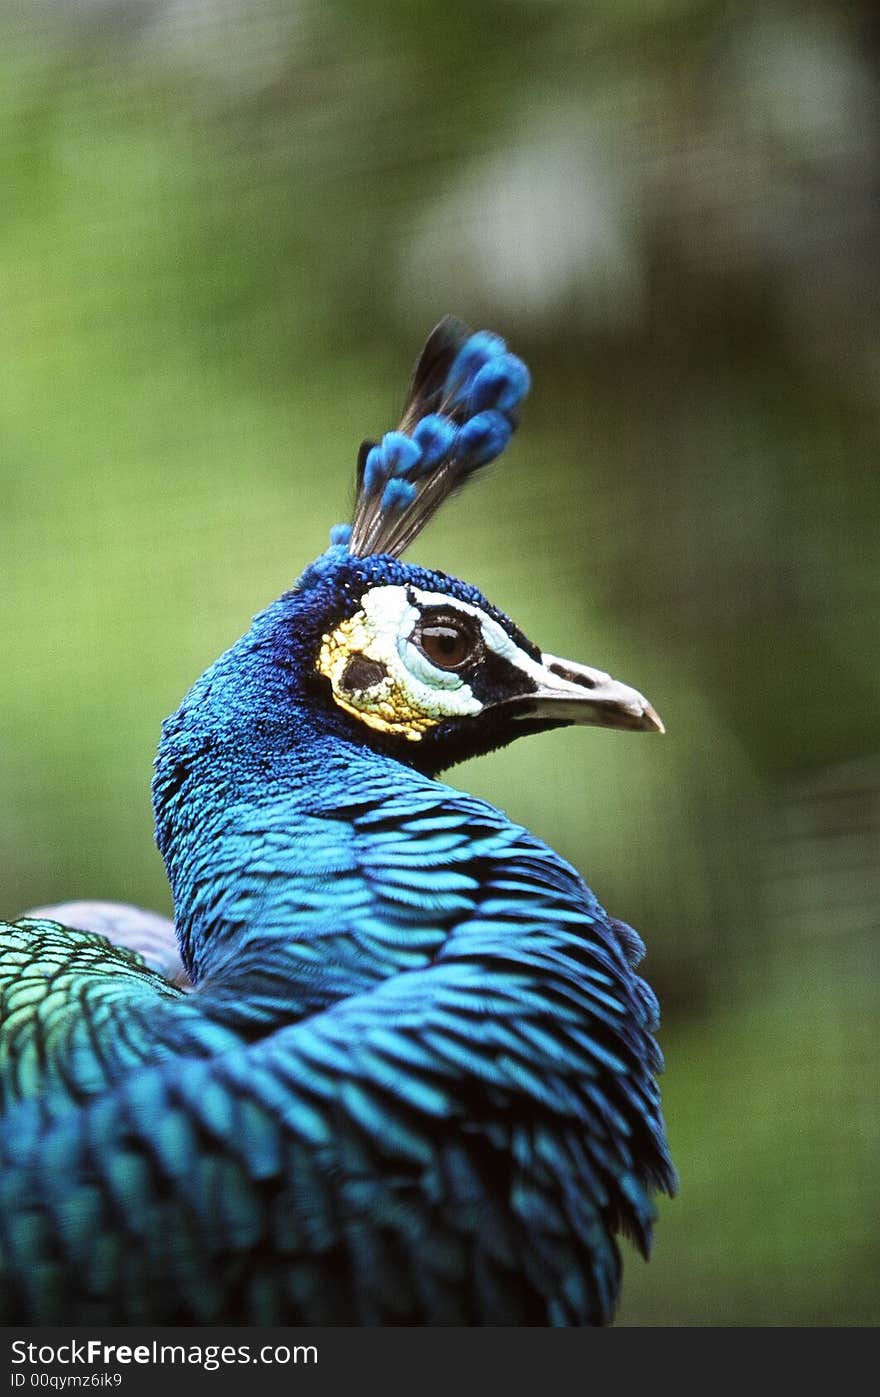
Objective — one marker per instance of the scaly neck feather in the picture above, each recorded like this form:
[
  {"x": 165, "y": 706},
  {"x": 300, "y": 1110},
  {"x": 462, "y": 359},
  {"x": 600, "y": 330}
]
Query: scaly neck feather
[{"x": 255, "y": 791}]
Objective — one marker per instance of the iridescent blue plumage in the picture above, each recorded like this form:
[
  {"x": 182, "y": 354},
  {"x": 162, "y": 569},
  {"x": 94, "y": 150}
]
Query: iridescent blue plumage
[{"x": 411, "y": 1079}]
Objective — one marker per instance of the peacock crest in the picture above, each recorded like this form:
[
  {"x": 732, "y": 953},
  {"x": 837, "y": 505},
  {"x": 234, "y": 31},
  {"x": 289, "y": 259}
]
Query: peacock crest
[{"x": 459, "y": 415}]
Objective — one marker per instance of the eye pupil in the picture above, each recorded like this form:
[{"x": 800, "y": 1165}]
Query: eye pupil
[{"x": 443, "y": 643}]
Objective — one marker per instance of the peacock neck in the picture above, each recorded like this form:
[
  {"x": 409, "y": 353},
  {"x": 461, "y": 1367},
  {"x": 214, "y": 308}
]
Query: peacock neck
[{"x": 255, "y": 825}]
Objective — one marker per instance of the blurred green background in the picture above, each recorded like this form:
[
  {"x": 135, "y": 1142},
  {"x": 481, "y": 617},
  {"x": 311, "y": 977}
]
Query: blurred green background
[{"x": 225, "y": 230}]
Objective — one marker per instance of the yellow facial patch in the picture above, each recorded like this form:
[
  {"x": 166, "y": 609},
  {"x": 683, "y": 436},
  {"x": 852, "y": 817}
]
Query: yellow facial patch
[
  {"x": 376, "y": 674},
  {"x": 381, "y": 705}
]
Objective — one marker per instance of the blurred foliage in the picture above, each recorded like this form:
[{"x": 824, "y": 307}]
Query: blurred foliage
[{"x": 224, "y": 231}]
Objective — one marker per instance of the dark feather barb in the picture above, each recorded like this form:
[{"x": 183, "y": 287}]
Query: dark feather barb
[
  {"x": 459, "y": 414},
  {"x": 432, "y": 370}
]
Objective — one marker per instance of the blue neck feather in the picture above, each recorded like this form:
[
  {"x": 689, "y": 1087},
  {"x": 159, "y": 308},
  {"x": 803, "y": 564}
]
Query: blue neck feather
[{"x": 258, "y": 781}]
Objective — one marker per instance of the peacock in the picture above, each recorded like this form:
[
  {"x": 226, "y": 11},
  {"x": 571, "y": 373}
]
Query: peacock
[{"x": 392, "y": 1064}]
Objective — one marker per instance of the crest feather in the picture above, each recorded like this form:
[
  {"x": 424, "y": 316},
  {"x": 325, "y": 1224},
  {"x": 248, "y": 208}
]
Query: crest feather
[{"x": 460, "y": 413}]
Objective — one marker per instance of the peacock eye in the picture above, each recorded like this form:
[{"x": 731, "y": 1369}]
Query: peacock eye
[{"x": 448, "y": 640}]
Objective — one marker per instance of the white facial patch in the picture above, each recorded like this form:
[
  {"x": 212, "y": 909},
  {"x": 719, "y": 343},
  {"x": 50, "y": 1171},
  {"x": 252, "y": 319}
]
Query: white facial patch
[{"x": 378, "y": 674}]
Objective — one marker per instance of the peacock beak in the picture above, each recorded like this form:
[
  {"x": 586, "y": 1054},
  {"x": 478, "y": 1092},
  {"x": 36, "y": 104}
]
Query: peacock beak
[{"x": 567, "y": 692}]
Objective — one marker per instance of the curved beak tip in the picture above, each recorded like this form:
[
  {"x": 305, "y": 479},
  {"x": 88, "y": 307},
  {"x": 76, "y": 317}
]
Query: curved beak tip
[{"x": 652, "y": 719}]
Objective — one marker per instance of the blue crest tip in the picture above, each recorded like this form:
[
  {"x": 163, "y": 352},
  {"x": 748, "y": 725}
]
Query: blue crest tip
[
  {"x": 398, "y": 493},
  {"x": 483, "y": 438}
]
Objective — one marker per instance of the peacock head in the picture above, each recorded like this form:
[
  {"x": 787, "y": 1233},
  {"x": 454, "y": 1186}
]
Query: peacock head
[{"x": 411, "y": 661}]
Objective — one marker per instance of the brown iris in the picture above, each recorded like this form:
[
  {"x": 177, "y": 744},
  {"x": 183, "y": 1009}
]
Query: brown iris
[{"x": 449, "y": 639}]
